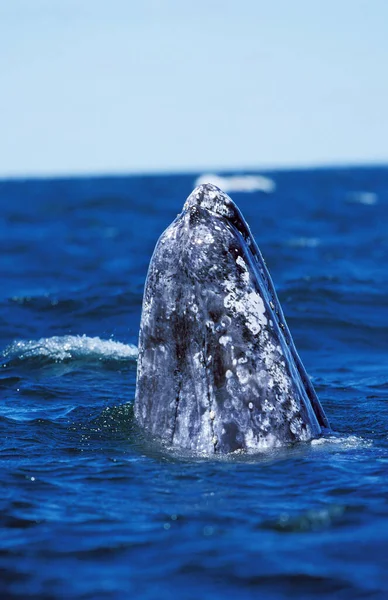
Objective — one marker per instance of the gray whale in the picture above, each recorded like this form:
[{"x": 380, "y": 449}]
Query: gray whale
[{"x": 217, "y": 369}]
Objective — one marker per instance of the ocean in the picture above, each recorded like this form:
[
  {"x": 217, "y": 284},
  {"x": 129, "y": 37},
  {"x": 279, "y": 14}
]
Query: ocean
[{"x": 89, "y": 507}]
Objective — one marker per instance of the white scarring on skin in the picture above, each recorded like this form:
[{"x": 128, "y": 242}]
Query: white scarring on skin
[
  {"x": 245, "y": 274},
  {"x": 247, "y": 303}
]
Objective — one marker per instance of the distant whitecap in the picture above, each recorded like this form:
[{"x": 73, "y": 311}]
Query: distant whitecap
[
  {"x": 239, "y": 183},
  {"x": 368, "y": 198}
]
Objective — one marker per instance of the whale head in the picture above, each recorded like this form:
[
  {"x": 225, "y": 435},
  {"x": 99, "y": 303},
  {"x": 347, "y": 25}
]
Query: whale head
[{"x": 217, "y": 369}]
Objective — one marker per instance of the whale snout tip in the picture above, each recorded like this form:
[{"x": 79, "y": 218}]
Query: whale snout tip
[
  {"x": 207, "y": 189},
  {"x": 210, "y": 197}
]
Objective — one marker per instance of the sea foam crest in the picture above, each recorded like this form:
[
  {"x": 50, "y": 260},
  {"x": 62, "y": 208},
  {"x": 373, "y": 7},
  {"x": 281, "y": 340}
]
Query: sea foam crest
[
  {"x": 67, "y": 347},
  {"x": 238, "y": 183}
]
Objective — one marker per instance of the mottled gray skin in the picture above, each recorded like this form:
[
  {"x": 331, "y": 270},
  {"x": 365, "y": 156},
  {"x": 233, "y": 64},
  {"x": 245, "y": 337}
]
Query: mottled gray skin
[{"x": 217, "y": 369}]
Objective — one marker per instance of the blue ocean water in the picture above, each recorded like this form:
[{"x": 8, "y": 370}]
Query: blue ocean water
[{"x": 89, "y": 508}]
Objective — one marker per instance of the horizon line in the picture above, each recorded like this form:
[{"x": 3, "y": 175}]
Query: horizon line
[{"x": 168, "y": 172}]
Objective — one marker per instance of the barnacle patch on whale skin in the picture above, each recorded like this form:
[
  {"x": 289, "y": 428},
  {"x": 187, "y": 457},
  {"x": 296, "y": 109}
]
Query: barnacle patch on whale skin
[{"x": 247, "y": 302}]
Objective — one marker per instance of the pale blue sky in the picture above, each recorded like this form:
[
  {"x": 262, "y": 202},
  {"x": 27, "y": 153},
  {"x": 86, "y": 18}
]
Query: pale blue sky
[{"x": 122, "y": 86}]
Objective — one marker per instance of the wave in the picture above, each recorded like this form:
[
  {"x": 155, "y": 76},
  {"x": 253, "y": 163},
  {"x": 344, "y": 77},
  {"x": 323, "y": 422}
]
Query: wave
[
  {"x": 239, "y": 183},
  {"x": 68, "y": 347},
  {"x": 303, "y": 242}
]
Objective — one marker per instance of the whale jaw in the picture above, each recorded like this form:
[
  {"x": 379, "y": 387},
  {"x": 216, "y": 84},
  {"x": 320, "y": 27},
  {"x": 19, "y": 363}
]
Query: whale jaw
[{"x": 217, "y": 369}]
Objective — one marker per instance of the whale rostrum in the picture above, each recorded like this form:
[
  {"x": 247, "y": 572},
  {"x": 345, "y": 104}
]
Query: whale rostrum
[{"x": 217, "y": 369}]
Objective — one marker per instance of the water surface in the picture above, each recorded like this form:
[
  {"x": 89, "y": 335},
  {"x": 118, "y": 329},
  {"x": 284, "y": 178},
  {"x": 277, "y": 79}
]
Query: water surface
[{"x": 89, "y": 508}]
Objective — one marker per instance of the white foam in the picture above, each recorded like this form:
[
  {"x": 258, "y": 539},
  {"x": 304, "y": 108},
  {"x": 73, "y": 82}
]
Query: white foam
[
  {"x": 238, "y": 183},
  {"x": 66, "y": 347}
]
